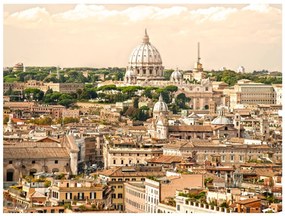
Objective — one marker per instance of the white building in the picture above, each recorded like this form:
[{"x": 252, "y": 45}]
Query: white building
[{"x": 241, "y": 69}]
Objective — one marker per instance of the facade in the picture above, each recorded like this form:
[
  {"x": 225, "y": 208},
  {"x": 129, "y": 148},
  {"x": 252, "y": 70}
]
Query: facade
[
  {"x": 58, "y": 87},
  {"x": 134, "y": 197},
  {"x": 28, "y": 158},
  {"x": 116, "y": 178},
  {"x": 127, "y": 154},
  {"x": 85, "y": 191},
  {"x": 252, "y": 93}
]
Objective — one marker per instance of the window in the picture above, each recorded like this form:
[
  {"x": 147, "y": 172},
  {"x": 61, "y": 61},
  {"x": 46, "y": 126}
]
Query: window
[
  {"x": 10, "y": 162},
  {"x": 178, "y": 207},
  {"x": 114, "y": 196},
  {"x": 122, "y": 161},
  {"x": 232, "y": 157},
  {"x": 113, "y": 179},
  {"x": 241, "y": 158},
  {"x": 120, "y": 186},
  {"x": 120, "y": 179},
  {"x": 114, "y": 161},
  {"x": 134, "y": 179},
  {"x": 138, "y": 154},
  {"x": 120, "y": 195},
  {"x": 142, "y": 179},
  {"x": 56, "y": 161},
  {"x": 33, "y": 162}
]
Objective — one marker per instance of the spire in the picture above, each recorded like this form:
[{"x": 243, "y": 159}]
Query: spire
[
  {"x": 199, "y": 52},
  {"x": 145, "y": 38},
  {"x": 160, "y": 98}
]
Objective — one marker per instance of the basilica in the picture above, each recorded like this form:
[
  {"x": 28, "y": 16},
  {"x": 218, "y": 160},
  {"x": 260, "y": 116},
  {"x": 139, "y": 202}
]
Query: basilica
[{"x": 145, "y": 67}]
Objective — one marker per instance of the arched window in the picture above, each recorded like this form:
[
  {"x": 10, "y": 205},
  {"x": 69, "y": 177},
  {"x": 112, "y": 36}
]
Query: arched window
[{"x": 10, "y": 175}]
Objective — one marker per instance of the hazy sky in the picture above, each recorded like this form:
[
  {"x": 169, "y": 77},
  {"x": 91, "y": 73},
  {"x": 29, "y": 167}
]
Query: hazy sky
[{"x": 105, "y": 35}]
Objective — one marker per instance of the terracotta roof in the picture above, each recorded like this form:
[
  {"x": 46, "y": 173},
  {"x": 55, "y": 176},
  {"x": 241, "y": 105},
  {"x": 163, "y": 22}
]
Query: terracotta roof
[
  {"x": 165, "y": 159},
  {"x": 37, "y": 194},
  {"x": 247, "y": 201},
  {"x": 137, "y": 128},
  {"x": 194, "y": 128},
  {"x": 35, "y": 152}
]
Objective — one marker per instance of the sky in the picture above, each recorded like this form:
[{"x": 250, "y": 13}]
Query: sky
[{"x": 96, "y": 35}]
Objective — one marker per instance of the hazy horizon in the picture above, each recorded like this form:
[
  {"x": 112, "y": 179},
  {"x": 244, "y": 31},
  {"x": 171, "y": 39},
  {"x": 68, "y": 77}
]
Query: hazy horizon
[{"x": 105, "y": 35}]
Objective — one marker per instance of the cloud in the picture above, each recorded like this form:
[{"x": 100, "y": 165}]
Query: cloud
[
  {"x": 213, "y": 14},
  {"x": 31, "y": 14},
  {"x": 261, "y": 8},
  {"x": 106, "y": 34}
]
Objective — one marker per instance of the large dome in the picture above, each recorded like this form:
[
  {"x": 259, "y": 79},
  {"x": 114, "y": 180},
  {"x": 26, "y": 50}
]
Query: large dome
[
  {"x": 145, "y": 53},
  {"x": 145, "y": 61}
]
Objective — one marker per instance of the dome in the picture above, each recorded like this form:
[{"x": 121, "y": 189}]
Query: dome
[
  {"x": 221, "y": 120},
  {"x": 145, "y": 53},
  {"x": 146, "y": 61},
  {"x": 176, "y": 76},
  {"x": 160, "y": 106}
]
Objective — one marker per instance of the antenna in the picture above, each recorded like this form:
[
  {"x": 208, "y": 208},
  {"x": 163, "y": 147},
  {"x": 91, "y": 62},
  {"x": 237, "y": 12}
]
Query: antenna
[{"x": 199, "y": 52}]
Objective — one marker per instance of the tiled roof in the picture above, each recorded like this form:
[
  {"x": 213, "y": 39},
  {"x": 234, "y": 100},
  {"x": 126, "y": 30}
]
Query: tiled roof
[
  {"x": 35, "y": 152},
  {"x": 194, "y": 128},
  {"x": 247, "y": 201},
  {"x": 165, "y": 159}
]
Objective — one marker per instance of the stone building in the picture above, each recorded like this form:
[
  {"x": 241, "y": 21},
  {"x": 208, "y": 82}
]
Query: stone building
[
  {"x": 251, "y": 93},
  {"x": 27, "y": 158},
  {"x": 128, "y": 152},
  {"x": 226, "y": 153}
]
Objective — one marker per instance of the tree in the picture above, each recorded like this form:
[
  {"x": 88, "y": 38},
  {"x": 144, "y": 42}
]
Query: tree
[
  {"x": 171, "y": 88},
  {"x": 181, "y": 101}
]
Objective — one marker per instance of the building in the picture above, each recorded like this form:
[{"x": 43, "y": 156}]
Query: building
[
  {"x": 127, "y": 152},
  {"x": 19, "y": 67},
  {"x": 278, "y": 93},
  {"x": 252, "y": 94},
  {"x": 116, "y": 178},
  {"x": 134, "y": 197},
  {"x": 70, "y": 113},
  {"x": 144, "y": 63},
  {"x": 251, "y": 205},
  {"x": 226, "y": 152},
  {"x": 67, "y": 191},
  {"x": 27, "y": 158}
]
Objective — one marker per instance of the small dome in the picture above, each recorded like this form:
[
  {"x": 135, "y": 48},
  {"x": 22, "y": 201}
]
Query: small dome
[
  {"x": 160, "y": 106},
  {"x": 176, "y": 75},
  {"x": 221, "y": 120}
]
